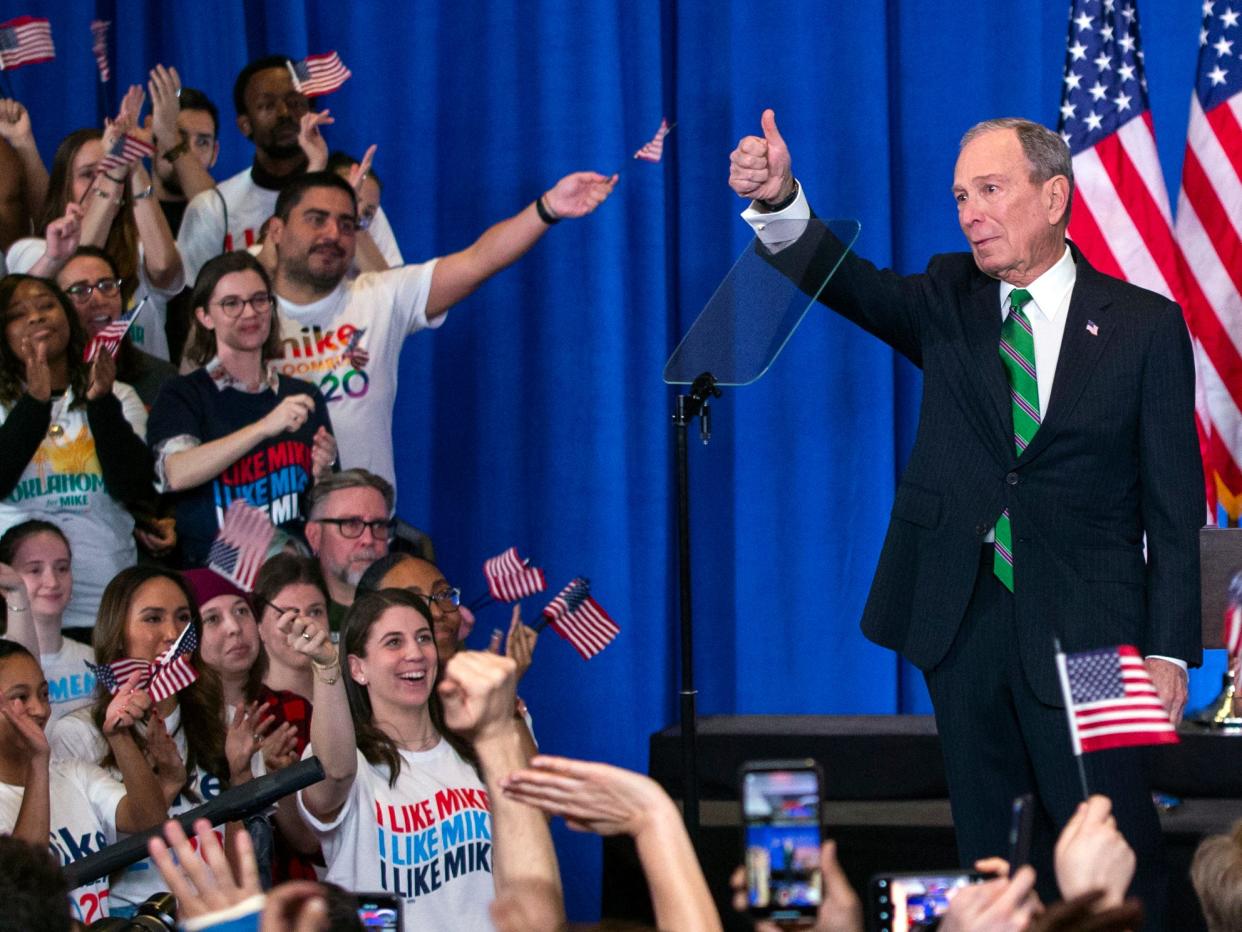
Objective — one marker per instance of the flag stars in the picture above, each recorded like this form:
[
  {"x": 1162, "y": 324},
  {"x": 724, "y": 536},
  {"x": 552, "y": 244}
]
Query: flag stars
[
  {"x": 1207, "y": 7},
  {"x": 1084, "y": 21},
  {"x": 1073, "y": 80},
  {"x": 1104, "y": 62},
  {"x": 1098, "y": 91},
  {"x": 1067, "y": 110},
  {"x": 1122, "y": 101},
  {"x": 1203, "y": 37},
  {"x": 1229, "y": 19},
  {"x": 1094, "y": 120},
  {"x": 1108, "y": 6},
  {"x": 1128, "y": 13},
  {"x": 1106, "y": 33},
  {"x": 1223, "y": 47},
  {"x": 1126, "y": 42},
  {"x": 1078, "y": 51},
  {"x": 1126, "y": 72},
  {"x": 1217, "y": 75}
]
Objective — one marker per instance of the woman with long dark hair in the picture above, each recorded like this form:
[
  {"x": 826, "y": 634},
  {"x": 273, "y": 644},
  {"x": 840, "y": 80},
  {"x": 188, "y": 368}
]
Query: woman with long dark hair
[
  {"x": 235, "y": 428},
  {"x": 72, "y": 438}
]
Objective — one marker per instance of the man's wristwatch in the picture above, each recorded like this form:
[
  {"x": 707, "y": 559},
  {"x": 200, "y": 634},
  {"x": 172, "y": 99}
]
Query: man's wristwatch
[{"x": 176, "y": 151}]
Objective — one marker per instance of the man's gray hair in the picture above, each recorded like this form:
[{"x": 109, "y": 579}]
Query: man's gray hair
[
  {"x": 1045, "y": 150},
  {"x": 347, "y": 479}
]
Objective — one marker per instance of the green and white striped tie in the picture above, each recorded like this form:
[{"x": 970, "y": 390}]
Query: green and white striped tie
[{"x": 1017, "y": 351}]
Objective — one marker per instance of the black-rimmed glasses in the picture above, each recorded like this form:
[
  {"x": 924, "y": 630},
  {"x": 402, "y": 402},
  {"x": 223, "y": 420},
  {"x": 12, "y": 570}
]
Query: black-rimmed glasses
[{"x": 351, "y": 528}]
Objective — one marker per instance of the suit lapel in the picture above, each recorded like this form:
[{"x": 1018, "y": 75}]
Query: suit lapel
[
  {"x": 1087, "y": 331},
  {"x": 982, "y": 324}
]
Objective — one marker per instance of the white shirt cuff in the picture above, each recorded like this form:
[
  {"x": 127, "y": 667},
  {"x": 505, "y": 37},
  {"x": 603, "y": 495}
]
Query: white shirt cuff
[
  {"x": 1181, "y": 663},
  {"x": 784, "y": 233}
]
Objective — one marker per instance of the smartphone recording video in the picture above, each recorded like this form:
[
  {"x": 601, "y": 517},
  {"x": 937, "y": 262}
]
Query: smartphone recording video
[
  {"x": 781, "y": 823},
  {"x": 904, "y": 902},
  {"x": 379, "y": 911}
]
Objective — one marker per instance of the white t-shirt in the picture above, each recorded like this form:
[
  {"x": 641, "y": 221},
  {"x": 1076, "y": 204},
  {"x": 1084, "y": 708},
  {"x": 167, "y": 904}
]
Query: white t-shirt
[
  {"x": 83, "y": 800},
  {"x": 147, "y": 331},
  {"x": 70, "y": 685},
  {"x": 386, "y": 307},
  {"x": 428, "y": 839},
  {"x": 204, "y": 233},
  {"x": 63, "y": 483},
  {"x": 76, "y": 737}
]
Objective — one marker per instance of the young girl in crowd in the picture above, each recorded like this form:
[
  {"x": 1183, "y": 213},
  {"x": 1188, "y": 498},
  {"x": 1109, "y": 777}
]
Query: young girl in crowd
[
  {"x": 116, "y": 211},
  {"x": 72, "y": 803},
  {"x": 72, "y": 438},
  {"x": 235, "y": 428},
  {"x": 40, "y": 559},
  {"x": 144, "y": 611},
  {"x": 398, "y": 782}
]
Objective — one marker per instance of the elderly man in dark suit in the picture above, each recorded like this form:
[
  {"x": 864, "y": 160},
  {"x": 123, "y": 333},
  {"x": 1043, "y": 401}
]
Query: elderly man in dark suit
[{"x": 1056, "y": 441}]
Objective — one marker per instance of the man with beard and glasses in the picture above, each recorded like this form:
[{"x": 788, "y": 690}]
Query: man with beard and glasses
[
  {"x": 230, "y": 216},
  {"x": 349, "y": 528},
  {"x": 346, "y": 335}
]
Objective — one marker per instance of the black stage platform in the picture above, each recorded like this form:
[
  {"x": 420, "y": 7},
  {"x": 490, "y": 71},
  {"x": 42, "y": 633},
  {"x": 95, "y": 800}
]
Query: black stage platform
[{"x": 886, "y": 799}]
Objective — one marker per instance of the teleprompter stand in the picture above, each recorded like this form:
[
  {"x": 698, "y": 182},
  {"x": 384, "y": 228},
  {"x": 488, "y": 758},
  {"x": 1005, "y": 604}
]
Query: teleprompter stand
[{"x": 734, "y": 341}]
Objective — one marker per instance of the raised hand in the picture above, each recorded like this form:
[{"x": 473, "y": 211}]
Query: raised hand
[
  {"x": 103, "y": 375},
  {"x": 12, "y": 586},
  {"x": 164, "y": 757},
  {"x": 312, "y": 141},
  {"x": 164, "y": 86},
  {"x": 477, "y": 690},
  {"x": 157, "y": 535},
  {"x": 1002, "y": 905},
  {"x": 288, "y": 416},
  {"x": 358, "y": 171},
  {"x": 1091, "y": 854},
  {"x": 38, "y": 372},
  {"x": 130, "y": 705},
  {"x": 840, "y": 910},
  {"x": 520, "y": 643},
  {"x": 205, "y": 883},
  {"x": 244, "y": 737},
  {"x": 323, "y": 454},
  {"x": 279, "y": 747},
  {"x": 760, "y": 168},
  {"x": 578, "y": 194},
  {"x": 307, "y": 636},
  {"x": 591, "y": 797},
  {"x": 15, "y": 123},
  {"x": 63, "y": 234},
  {"x": 126, "y": 118},
  {"x": 31, "y": 741}
]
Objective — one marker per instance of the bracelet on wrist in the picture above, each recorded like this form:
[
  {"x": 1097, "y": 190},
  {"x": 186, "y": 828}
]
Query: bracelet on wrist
[
  {"x": 545, "y": 212},
  {"x": 327, "y": 673},
  {"x": 143, "y": 195},
  {"x": 17, "y": 608},
  {"x": 777, "y": 206}
]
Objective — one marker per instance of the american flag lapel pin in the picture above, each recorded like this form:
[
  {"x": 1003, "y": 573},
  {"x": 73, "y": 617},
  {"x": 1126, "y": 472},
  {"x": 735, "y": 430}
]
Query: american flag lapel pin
[{"x": 1093, "y": 328}]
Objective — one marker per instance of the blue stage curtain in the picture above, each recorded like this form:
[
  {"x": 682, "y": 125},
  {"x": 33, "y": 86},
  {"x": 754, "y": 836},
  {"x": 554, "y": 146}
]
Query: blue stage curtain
[{"x": 537, "y": 416}]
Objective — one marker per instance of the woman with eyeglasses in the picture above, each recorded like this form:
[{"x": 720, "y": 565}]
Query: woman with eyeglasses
[
  {"x": 235, "y": 428},
  {"x": 71, "y": 436},
  {"x": 113, "y": 208},
  {"x": 93, "y": 282}
]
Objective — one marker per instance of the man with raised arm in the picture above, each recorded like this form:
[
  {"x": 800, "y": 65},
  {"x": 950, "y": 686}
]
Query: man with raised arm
[{"x": 1054, "y": 490}]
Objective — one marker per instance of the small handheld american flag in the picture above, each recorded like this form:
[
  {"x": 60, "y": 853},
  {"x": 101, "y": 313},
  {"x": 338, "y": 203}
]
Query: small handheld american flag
[
  {"x": 110, "y": 337},
  {"x": 316, "y": 75},
  {"x": 1111, "y": 700},
  {"x": 510, "y": 578},
  {"x": 241, "y": 545},
  {"x": 125, "y": 152},
  {"x": 580, "y": 620},
  {"x": 169, "y": 674},
  {"x": 653, "y": 150},
  {"x": 25, "y": 41},
  {"x": 99, "y": 46}
]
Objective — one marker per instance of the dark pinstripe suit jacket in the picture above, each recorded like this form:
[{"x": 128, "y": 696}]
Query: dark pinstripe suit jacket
[{"x": 1116, "y": 458}]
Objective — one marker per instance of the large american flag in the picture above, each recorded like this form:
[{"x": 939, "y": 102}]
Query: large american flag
[
  {"x": 99, "y": 46},
  {"x": 171, "y": 672},
  {"x": 1209, "y": 232},
  {"x": 319, "y": 74},
  {"x": 580, "y": 620},
  {"x": 240, "y": 547},
  {"x": 1111, "y": 701},
  {"x": 510, "y": 578},
  {"x": 25, "y": 41},
  {"x": 1120, "y": 217}
]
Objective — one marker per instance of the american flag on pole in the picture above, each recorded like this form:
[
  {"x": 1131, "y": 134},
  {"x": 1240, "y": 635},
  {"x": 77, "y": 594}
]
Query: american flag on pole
[
  {"x": 1209, "y": 232},
  {"x": 316, "y": 75},
  {"x": 580, "y": 620},
  {"x": 25, "y": 41},
  {"x": 99, "y": 46},
  {"x": 171, "y": 672},
  {"x": 1120, "y": 218},
  {"x": 125, "y": 152},
  {"x": 1111, "y": 702},
  {"x": 653, "y": 151},
  {"x": 110, "y": 336},
  {"x": 241, "y": 545},
  {"x": 510, "y": 578}
]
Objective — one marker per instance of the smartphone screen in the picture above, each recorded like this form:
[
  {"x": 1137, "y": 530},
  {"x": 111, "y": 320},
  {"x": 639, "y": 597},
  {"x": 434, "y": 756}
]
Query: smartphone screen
[
  {"x": 380, "y": 911},
  {"x": 903, "y": 902},
  {"x": 781, "y": 815}
]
